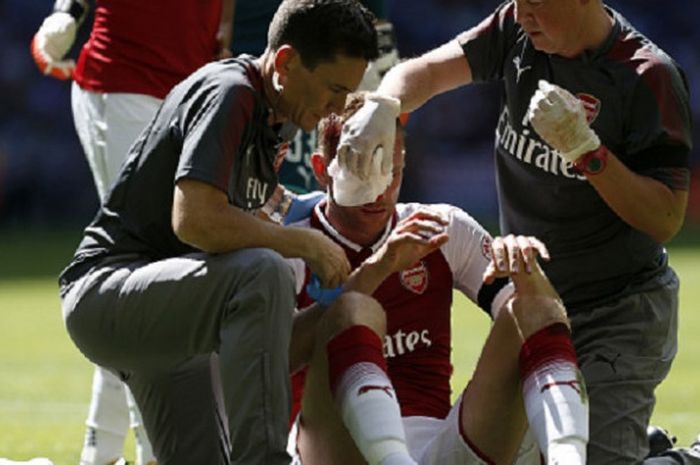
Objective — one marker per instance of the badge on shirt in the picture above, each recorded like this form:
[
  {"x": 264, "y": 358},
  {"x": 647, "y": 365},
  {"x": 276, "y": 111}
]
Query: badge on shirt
[
  {"x": 415, "y": 279},
  {"x": 591, "y": 105}
]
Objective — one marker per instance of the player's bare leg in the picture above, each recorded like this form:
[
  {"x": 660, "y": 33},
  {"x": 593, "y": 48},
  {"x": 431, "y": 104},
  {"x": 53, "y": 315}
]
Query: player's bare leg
[
  {"x": 529, "y": 346},
  {"x": 361, "y": 397}
]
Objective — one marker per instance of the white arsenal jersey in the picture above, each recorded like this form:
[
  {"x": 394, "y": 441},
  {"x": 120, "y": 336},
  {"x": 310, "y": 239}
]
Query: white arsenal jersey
[{"x": 418, "y": 301}]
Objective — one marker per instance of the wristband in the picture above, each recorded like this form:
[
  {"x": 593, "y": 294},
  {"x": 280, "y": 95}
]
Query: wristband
[
  {"x": 76, "y": 8},
  {"x": 593, "y": 162},
  {"x": 278, "y": 204}
]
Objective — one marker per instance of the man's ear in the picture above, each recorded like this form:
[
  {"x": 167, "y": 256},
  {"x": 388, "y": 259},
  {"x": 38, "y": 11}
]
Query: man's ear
[
  {"x": 318, "y": 164},
  {"x": 284, "y": 60}
]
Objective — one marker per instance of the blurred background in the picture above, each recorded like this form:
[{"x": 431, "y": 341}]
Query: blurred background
[
  {"x": 47, "y": 196},
  {"x": 45, "y": 181}
]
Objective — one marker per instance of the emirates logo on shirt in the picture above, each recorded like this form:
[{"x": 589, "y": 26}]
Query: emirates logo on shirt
[
  {"x": 591, "y": 105},
  {"x": 415, "y": 279}
]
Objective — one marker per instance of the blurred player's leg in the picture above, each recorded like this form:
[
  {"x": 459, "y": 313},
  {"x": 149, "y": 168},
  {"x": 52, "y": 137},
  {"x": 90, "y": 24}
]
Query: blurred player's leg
[
  {"x": 107, "y": 126},
  {"x": 144, "y": 451},
  {"x": 107, "y": 421}
]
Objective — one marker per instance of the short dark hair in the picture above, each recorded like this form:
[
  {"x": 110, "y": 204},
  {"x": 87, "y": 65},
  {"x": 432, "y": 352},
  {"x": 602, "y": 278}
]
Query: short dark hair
[{"x": 321, "y": 29}]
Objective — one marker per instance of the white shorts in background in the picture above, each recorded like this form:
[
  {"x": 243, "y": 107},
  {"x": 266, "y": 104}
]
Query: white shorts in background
[{"x": 107, "y": 124}]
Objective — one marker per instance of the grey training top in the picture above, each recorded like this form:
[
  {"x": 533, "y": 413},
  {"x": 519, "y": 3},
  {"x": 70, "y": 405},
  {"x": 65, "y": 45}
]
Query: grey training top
[
  {"x": 636, "y": 99},
  {"x": 211, "y": 127}
]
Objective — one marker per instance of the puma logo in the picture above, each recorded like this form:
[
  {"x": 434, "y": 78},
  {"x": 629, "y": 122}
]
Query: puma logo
[
  {"x": 604, "y": 359},
  {"x": 365, "y": 389},
  {"x": 519, "y": 69},
  {"x": 573, "y": 384}
]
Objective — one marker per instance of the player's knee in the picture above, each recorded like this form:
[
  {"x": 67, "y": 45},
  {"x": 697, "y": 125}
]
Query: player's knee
[
  {"x": 353, "y": 309},
  {"x": 534, "y": 313}
]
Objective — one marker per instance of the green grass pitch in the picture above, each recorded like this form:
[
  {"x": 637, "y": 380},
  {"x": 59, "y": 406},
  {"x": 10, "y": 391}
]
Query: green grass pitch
[{"x": 45, "y": 382}]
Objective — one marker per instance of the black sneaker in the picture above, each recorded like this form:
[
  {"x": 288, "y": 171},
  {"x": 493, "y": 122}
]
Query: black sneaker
[{"x": 660, "y": 440}]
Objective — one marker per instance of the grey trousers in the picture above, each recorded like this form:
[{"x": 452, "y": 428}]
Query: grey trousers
[
  {"x": 625, "y": 349},
  {"x": 157, "y": 325}
]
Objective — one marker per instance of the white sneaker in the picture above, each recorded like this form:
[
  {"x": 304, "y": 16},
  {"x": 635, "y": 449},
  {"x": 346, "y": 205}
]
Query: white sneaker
[{"x": 696, "y": 444}]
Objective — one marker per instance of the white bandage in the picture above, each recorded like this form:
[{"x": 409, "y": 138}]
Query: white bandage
[
  {"x": 350, "y": 191},
  {"x": 560, "y": 119}
]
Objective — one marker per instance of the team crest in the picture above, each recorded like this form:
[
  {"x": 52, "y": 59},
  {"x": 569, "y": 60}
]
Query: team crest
[
  {"x": 415, "y": 279},
  {"x": 591, "y": 105}
]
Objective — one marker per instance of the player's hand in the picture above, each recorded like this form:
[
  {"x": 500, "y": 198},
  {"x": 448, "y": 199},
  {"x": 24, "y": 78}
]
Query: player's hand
[
  {"x": 560, "y": 119},
  {"x": 51, "y": 43},
  {"x": 412, "y": 239},
  {"x": 373, "y": 126},
  {"x": 388, "y": 57},
  {"x": 326, "y": 259},
  {"x": 513, "y": 256}
]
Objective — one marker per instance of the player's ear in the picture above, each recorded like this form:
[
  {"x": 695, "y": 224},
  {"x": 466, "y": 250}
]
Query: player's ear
[
  {"x": 285, "y": 58},
  {"x": 318, "y": 164}
]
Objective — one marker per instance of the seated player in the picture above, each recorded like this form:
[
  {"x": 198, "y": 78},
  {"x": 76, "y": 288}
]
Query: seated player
[{"x": 373, "y": 363}]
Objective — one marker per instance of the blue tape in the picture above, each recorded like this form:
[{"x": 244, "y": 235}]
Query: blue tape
[{"x": 322, "y": 295}]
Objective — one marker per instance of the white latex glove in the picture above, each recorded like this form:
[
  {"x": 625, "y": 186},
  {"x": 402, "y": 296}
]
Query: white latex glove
[
  {"x": 560, "y": 119},
  {"x": 51, "y": 43},
  {"x": 371, "y": 127}
]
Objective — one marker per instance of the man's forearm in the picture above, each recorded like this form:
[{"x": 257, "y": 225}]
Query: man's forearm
[
  {"x": 417, "y": 80},
  {"x": 642, "y": 202}
]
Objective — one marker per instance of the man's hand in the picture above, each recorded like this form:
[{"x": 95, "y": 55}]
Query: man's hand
[
  {"x": 516, "y": 257},
  {"x": 371, "y": 127},
  {"x": 560, "y": 119},
  {"x": 51, "y": 43},
  {"x": 412, "y": 239},
  {"x": 326, "y": 259},
  {"x": 511, "y": 255}
]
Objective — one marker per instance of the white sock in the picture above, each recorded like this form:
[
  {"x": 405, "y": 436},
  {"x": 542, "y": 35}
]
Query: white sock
[
  {"x": 371, "y": 413},
  {"x": 108, "y": 420},
  {"x": 555, "y": 396},
  {"x": 366, "y": 398}
]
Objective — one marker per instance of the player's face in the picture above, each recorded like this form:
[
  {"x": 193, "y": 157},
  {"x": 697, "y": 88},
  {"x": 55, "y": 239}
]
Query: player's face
[
  {"x": 310, "y": 95},
  {"x": 371, "y": 218},
  {"x": 552, "y": 25}
]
